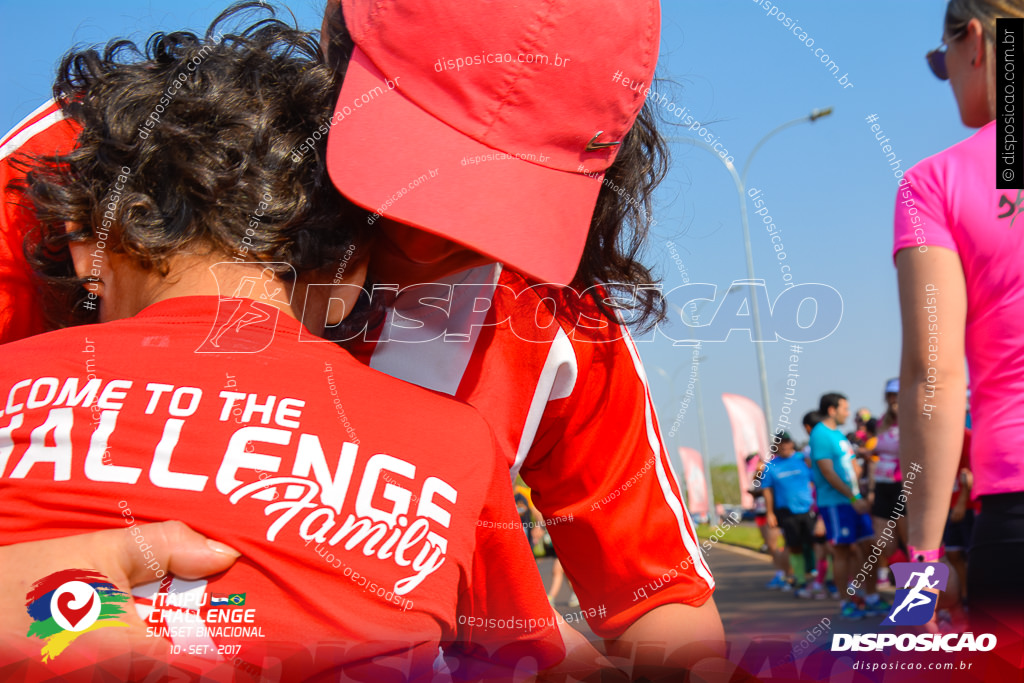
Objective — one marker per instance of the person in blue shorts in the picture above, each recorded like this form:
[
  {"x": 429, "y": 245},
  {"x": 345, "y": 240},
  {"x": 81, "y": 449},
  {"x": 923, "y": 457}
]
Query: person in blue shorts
[
  {"x": 846, "y": 512},
  {"x": 787, "y": 493}
]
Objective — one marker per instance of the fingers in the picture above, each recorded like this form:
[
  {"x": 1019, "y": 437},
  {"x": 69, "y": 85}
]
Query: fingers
[
  {"x": 148, "y": 555},
  {"x": 171, "y": 548}
]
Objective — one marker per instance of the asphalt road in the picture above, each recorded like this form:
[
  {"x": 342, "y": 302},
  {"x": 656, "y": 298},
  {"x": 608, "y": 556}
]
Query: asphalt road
[
  {"x": 748, "y": 609},
  {"x": 775, "y": 636}
]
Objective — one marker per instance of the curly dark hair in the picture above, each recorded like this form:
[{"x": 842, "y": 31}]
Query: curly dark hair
[
  {"x": 622, "y": 217},
  {"x": 187, "y": 146}
]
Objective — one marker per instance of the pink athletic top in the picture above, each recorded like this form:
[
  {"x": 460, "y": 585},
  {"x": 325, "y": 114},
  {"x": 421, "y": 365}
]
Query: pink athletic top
[
  {"x": 887, "y": 448},
  {"x": 952, "y": 202}
]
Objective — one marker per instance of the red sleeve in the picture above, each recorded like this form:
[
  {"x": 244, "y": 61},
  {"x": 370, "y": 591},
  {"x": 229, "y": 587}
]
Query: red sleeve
[
  {"x": 44, "y": 132},
  {"x": 572, "y": 413},
  {"x": 505, "y": 621},
  {"x": 602, "y": 478}
]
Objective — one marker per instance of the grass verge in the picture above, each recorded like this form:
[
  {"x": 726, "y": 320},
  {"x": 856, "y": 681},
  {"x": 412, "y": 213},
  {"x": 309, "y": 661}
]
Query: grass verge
[{"x": 741, "y": 535}]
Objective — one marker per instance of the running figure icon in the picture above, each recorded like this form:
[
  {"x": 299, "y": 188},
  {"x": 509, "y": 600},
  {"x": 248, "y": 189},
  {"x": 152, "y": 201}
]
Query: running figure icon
[
  {"x": 914, "y": 597},
  {"x": 251, "y": 302},
  {"x": 244, "y": 314}
]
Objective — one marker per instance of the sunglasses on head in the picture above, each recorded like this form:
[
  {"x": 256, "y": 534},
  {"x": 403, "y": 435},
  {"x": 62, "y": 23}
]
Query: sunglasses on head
[{"x": 937, "y": 57}]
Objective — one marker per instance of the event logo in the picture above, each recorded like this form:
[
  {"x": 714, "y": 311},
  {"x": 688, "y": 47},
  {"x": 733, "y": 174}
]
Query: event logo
[
  {"x": 914, "y": 604},
  {"x": 68, "y": 603}
]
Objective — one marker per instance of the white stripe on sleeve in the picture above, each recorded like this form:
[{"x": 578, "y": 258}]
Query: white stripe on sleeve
[
  {"x": 689, "y": 541},
  {"x": 12, "y": 143}
]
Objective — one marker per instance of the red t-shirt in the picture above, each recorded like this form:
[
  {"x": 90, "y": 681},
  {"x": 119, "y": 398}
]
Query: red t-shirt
[
  {"x": 363, "y": 507},
  {"x": 571, "y": 409}
]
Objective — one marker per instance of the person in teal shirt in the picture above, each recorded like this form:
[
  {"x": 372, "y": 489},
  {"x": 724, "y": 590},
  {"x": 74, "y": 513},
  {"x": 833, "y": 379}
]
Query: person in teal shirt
[{"x": 846, "y": 513}]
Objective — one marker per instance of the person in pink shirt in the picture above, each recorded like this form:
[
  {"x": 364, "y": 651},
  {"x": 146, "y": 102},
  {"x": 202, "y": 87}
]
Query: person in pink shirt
[
  {"x": 884, "y": 476},
  {"x": 958, "y": 251}
]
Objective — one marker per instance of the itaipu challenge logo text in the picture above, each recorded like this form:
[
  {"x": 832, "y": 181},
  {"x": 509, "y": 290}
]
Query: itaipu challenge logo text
[{"x": 68, "y": 603}]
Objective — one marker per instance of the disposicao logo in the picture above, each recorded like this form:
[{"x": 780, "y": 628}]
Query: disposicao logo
[
  {"x": 68, "y": 603},
  {"x": 914, "y": 606}
]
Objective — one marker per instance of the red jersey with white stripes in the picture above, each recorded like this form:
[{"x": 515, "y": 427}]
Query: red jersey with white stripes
[
  {"x": 565, "y": 391},
  {"x": 376, "y": 539},
  {"x": 569, "y": 404}
]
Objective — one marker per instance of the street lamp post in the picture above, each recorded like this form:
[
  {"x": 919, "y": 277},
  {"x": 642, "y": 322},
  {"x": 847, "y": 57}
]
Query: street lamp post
[
  {"x": 741, "y": 191},
  {"x": 712, "y": 509}
]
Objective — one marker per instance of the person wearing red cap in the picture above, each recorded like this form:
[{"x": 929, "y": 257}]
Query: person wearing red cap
[
  {"x": 546, "y": 167},
  {"x": 524, "y": 341}
]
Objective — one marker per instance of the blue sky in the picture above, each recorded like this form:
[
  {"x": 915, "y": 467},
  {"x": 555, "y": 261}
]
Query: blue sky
[
  {"x": 827, "y": 185},
  {"x": 740, "y": 72}
]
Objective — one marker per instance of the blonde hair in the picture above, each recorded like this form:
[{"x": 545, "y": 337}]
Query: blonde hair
[{"x": 960, "y": 12}]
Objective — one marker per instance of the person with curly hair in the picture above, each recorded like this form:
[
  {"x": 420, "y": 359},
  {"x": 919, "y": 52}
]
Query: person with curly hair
[{"x": 206, "y": 392}]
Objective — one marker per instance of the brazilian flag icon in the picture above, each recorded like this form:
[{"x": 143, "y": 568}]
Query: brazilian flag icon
[{"x": 236, "y": 599}]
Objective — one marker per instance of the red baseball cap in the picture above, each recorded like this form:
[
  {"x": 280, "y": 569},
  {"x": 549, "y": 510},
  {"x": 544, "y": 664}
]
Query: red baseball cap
[{"x": 491, "y": 123}]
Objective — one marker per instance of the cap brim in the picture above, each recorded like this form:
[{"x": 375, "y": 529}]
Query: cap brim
[{"x": 388, "y": 153}]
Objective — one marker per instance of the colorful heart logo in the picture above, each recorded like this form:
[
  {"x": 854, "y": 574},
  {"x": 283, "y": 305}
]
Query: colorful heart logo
[{"x": 65, "y": 604}]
